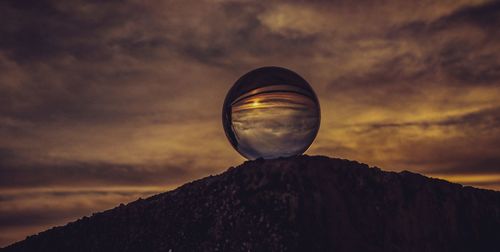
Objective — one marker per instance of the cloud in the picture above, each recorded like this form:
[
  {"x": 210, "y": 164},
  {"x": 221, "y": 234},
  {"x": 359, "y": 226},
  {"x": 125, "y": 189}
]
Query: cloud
[
  {"x": 462, "y": 43},
  {"x": 24, "y": 170},
  {"x": 129, "y": 92},
  {"x": 91, "y": 174},
  {"x": 25, "y": 212},
  {"x": 294, "y": 21},
  {"x": 485, "y": 119},
  {"x": 25, "y": 207},
  {"x": 465, "y": 143}
]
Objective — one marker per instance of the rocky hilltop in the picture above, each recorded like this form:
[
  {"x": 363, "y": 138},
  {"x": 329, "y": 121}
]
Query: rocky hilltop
[{"x": 292, "y": 204}]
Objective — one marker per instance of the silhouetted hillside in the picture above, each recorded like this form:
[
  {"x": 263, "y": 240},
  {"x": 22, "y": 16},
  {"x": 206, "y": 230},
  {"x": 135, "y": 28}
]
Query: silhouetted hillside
[{"x": 294, "y": 204}]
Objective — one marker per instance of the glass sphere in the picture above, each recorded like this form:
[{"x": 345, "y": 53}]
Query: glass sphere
[{"x": 271, "y": 112}]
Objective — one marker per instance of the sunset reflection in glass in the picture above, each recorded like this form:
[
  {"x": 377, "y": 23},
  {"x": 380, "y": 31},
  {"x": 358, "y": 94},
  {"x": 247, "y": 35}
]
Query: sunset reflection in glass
[{"x": 271, "y": 112}]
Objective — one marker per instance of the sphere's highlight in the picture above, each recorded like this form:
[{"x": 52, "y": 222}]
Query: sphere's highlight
[{"x": 271, "y": 112}]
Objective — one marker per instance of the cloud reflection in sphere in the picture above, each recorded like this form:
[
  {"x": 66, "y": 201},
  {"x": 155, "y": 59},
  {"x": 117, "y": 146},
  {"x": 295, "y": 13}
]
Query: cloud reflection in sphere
[{"x": 271, "y": 112}]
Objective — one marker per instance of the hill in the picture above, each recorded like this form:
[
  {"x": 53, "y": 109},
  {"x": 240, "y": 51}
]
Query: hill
[{"x": 292, "y": 204}]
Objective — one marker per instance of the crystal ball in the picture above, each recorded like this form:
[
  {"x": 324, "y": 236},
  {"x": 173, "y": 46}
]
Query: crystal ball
[{"x": 271, "y": 112}]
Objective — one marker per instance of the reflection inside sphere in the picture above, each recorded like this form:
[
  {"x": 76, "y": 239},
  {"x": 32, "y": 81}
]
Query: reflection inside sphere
[{"x": 271, "y": 112}]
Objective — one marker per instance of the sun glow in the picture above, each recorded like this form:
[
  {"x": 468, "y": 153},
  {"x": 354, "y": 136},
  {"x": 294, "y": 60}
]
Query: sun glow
[{"x": 256, "y": 103}]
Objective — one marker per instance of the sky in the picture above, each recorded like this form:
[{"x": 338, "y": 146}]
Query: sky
[
  {"x": 103, "y": 102},
  {"x": 273, "y": 121}
]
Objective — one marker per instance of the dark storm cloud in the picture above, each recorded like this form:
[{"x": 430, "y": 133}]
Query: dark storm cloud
[
  {"x": 89, "y": 174},
  {"x": 69, "y": 60},
  {"x": 18, "y": 172},
  {"x": 42, "y": 30},
  {"x": 424, "y": 66},
  {"x": 46, "y": 50},
  {"x": 465, "y": 67},
  {"x": 33, "y": 217},
  {"x": 92, "y": 31},
  {"x": 24, "y": 213},
  {"x": 239, "y": 33},
  {"x": 6, "y": 155},
  {"x": 484, "y": 16},
  {"x": 396, "y": 74},
  {"x": 128, "y": 93},
  {"x": 463, "y": 144},
  {"x": 486, "y": 119},
  {"x": 463, "y": 45},
  {"x": 466, "y": 43},
  {"x": 488, "y": 165}
]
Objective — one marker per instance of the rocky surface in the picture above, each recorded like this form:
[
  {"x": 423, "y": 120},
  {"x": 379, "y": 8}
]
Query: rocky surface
[{"x": 294, "y": 204}]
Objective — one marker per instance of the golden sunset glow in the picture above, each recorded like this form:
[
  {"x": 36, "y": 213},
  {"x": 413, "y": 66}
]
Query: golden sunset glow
[
  {"x": 270, "y": 100},
  {"x": 271, "y": 121},
  {"x": 114, "y": 101},
  {"x": 256, "y": 103},
  {"x": 491, "y": 180}
]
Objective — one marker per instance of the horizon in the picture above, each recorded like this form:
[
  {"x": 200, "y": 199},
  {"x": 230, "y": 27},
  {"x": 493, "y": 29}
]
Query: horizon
[{"x": 103, "y": 103}]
